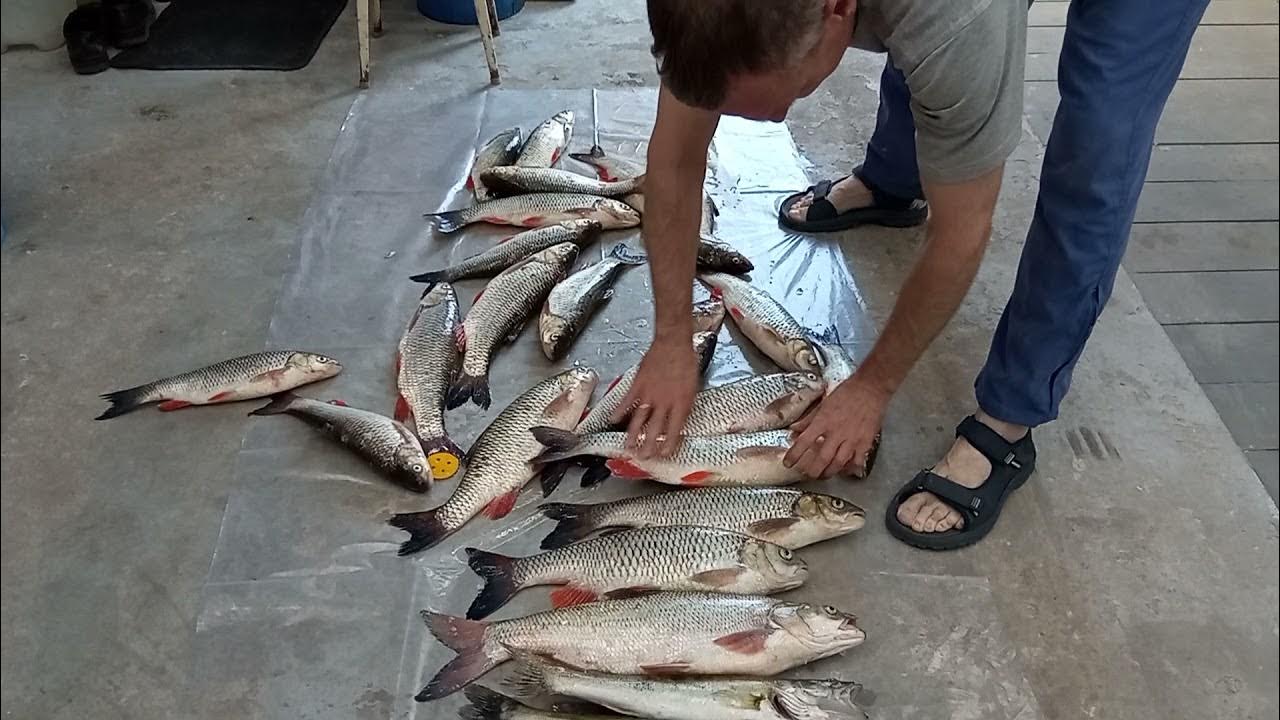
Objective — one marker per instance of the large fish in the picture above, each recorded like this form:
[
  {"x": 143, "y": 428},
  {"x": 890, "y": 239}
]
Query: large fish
[
  {"x": 498, "y": 465},
  {"x": 514, "y": 249},
  {"x": 485, "y": 704},
  {"x": 640, "y": 560},
  {"x": 243, "y": 378},
  {"x": 426, "y": 362},
  {"x": 573, "y": 300},
  {"x": 760, "y": 402},
  {"x": 717, "y": 256},
  {"x": 783, "y": 516},
  {"x": 739, "y": 459},
  {"x": 547, "y": 141},
  {"x": 500, "y": 313},
  {"x": 501, "y": 149},
  {"x": 515, "y": 180},
  {"x": 766, "y": 323},
  {"x": 657, "y": 634},
  {"x": 539, "y": 209},
  {"x": 390, "y": 446},
  {"x": 608, "y": 167},
  {"x": 692, "y": 698}
]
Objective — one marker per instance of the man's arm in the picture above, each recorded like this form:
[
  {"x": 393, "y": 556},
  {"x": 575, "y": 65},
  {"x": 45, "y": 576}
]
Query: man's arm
[
  {"x": 840, "y": 433},
  {"x": 663, "y": 390}
]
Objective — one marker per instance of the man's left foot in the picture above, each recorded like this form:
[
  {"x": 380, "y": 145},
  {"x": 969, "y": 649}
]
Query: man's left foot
[{"x": 953, "y": 505}]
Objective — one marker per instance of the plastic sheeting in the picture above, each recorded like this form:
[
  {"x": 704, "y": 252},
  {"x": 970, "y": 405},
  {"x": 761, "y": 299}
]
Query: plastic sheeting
[{"x": 307, "y": 607}]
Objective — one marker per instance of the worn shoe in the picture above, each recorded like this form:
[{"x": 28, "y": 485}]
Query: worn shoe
[
  {"x": 86, "y": 40},
  {"x": 128, "y": 22}
]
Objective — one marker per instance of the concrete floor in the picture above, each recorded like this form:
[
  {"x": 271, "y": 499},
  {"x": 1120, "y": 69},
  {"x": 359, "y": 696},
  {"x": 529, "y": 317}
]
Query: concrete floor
[{"x": 152, "y": 215}]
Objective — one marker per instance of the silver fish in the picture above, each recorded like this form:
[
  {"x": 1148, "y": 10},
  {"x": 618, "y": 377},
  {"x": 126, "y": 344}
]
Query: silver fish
[
  {"x": 783, "y": 516},
  {"x": 599, "y": 417},
  {"x": 639, "y": 560},
  {"x": 242, "y": 378},
  {"x": 426, "y": 362},
  {"x": 739, "y": 459},
  {"x": 768, "y": 325},
  {"x": 839, "y": 366},
  {"x": 609, "y": 168},
  {"x": 498, "y": 465},
  {"x": 692, "y": 698},
  {"x": 707, "y": 222},
  {"x": 539, "y": 209},
  {"x": 501, "y": 149},
  {"x": 500, "y": 312},
  {"x": 486, "y": 704},
  {"x": 658, "y": 634},
  {"x": 516, "y": 180},
  {"x": 514, "y": 249},
  {"x": 389, "y": 445},
  {"x": 717, "y": 256},
  {"x": 761, "y": 402},
  {"x": 547, "y": 141},
  {"x": 708, "y": 315},
  {"x": 573, "y": 300}
]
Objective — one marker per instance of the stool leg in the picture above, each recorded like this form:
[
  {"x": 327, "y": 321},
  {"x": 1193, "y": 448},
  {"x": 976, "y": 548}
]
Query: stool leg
[
  {"x": 486, "y": 38},
  {"x": 362, "y": 39},
  {"x": 493, "y": 18},
  {"x": 375, "y": 14}
]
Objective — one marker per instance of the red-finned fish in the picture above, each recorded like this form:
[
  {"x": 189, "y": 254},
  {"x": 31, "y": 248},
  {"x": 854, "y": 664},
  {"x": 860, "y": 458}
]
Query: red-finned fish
[
  {"x": 512, "y": 250},
  {"x": 539, "y": 209},
  {"x": 608, "y": 168},
  {"x": 426, "y": 362},
  {"x": 573, "y": 300},
  {"x": 501, "y": 149},
  {"x": 516, "y": 180},
  {"x": 547, "y": 141},
  {"x": 242, "y": 378},
  {"x": 767, "y": 323}
]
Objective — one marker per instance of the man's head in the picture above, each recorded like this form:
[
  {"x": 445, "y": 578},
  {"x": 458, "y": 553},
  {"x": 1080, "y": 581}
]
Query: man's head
[{"x": 752, "y": 58}]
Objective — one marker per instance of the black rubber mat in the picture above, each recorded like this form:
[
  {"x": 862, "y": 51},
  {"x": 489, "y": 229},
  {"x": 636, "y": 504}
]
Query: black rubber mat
[{"x": 234, "y": 35}]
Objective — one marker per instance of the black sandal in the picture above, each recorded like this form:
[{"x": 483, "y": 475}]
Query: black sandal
[
  {"x": 1011, "y": 465},
  {"x": 888, "y": 210}
]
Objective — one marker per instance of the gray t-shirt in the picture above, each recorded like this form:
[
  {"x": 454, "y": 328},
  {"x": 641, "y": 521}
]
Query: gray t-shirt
[{"x": 963, "y": 60}]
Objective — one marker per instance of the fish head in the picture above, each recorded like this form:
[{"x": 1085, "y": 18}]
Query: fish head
[
  {"x": 829, "y": 512},
  {"x": 635, "y": 201},
  {"x": 561, "y": 254},
  {"x": 575, "y": 387},
  {"x": 305, "y": 367},
  {"x": 838, "y": 365},
  {"x": 816, "y": 699},
  {"x": 556, "y": 335},
  {"x": 805, "y": 387},
  {"x": 623, "y": 215},
  {"x": 585, "y": 230},
  {"x": 805, "y": 355},
  {"x": 723, "y": 257},
  {"x": 704, "y": 346},
  {"x": 411, "y": 459},
  {"x": 565, "y": 119},
  {"x": 708, "y": 315},
  {"x": 783, "y": 568},
  {"x": 821, "y": 628}
]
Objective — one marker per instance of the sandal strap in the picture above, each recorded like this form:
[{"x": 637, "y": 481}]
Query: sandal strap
[
  {"x": 965, "y": 501},
  {"x": 822, "y": 188},
  {"x": 995, "y": 448}
]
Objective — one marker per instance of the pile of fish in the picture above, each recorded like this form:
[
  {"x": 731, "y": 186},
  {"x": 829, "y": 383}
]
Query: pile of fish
[{"x": 663, "y": 603}]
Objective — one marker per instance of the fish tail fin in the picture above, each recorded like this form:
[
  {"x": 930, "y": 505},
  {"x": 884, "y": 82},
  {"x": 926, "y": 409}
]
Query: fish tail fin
[
  {"x": 573, "y": 523},
  {"x": 470, "y": 387},
  {"x": 551, "y": 475},
  {"x": 449, "y": 221},
  {"x": 127, "y": 400},
  {"x": 444, "y": 457},
  {"x": 425, "y": 529},
  {"x": 431, "y": 278},
  {"x": 280, "y": 403},
  {"x": 500, "y": 581},
  {"x": 486, "y": 704},
  {"x": 477, "y": 654},
  {"x": 627, "y": 254}
]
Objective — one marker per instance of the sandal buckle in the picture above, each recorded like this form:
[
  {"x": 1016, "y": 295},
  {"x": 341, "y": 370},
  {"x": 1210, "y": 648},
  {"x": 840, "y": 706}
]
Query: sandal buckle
[
  {"x": 1012, "y": 461},
  {"x": 974, "y": 504}
]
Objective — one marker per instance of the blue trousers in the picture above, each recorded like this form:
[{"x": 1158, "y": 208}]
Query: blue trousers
[{"x": 1119, "y": 62}]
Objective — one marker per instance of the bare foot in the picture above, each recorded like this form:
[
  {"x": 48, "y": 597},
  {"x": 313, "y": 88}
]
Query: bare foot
[
  {"x": 847, "y": 194},
  {"x": 962, "y": 465}
]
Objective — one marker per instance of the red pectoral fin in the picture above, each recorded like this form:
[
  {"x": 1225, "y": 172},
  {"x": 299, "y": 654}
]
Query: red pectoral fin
[
  {"x": 471, "y": 183},
  {"x": 697, "y": 477},
  {"x": 402, "y": 411},
  {"x": 169, "y": 405},
  {"x": 501, "y": 505},
  {"x": 736, "y": 313},
  {"x": 624, "y": 468},
  {"x": 339, "y": 403},
  {"x": 747, "y": 642},
  {"x": 569, "y": 595},
  {"x": 219, "y": 397}
]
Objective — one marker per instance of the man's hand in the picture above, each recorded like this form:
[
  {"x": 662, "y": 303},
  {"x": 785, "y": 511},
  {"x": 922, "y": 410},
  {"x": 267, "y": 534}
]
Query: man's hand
[
  {"x": 660, "y": 398},
  {"x": 838, "y": 436}
]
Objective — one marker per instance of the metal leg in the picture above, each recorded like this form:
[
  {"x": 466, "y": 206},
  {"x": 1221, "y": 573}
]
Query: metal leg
[
  {"x": 493, "y": 18},
  {"x": 362, "y": 39},
  {"x": 375, "y": 15},
  {"x": 486, "y": 38}
]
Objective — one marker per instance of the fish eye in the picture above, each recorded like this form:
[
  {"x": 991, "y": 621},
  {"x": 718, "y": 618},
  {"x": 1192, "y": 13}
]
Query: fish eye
[
  {"x": 322, "y": 359},
  {"x": 830, "y": 610},
  {"x": 417, "y": 468},
  {"x": 810, "y": 376},
  {"x": 785, "y": 554},
  {"x": 837, "y": 503}
]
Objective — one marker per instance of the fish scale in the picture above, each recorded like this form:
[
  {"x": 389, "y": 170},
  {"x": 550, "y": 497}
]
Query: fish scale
[
  {"x": 539, "y": 209},
  {"x": 547, "y": 141},
  {"x": 762, "y": 402},
  {"x": 515, "y": 180},
  {"x": 222, "y": 373},
  {"x": 573, "y": 300},
  {"x": 514, "y": 249},
  {"x": 767, "y": 323}
]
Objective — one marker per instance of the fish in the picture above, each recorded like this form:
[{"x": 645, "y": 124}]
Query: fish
[
  {"x": 707, "y": 220},
  {"x": 391, "y": 447},
  {"x": 539, "y": 209},
  {"x": 485, "y": 704},
  {"x": 500, "y": 312},
  {"x": 784, "y": 516},
  {"x": 498, "y": 464},
  {"x": 547, "y": 141},
  {"x": 738, "y": 459},
  {"x": 838, "y": 366},
  {"x": 426, "y": 362},
  {"x": 660, "y": 634},
  {"x": 573, "y": 300},
  {"x": 639, "y": 560},
  {"x": 608, "y": 168},
  {"x": 516, "y": 180},
  {"x": 766, "y": 323},
  {"x": 760, "y": 402},
  {"x": 514, "y": 249},
  {"x": 691, "y": 698},
  {"x": 708, "y": 315},
  {"x": 246, "y": 377},
  {"x": 501, "y": 149},
  {"x": 717, "y": 256}
]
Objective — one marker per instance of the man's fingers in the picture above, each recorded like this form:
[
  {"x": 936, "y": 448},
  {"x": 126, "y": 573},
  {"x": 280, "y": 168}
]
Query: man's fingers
[
  {"x": 653, "y": 430},
  {"x": 841, "y": 461},
  {"x": 639, "y": 416},
  {"x": 818, "y": 462},
  {"x": 629, "y": 401},
  {"x": 799, "y": 426},
  {"x": 805, "y": 447}
]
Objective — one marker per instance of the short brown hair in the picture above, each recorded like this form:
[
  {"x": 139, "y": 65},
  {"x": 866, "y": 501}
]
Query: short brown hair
[{"x": 700, "y": 44}]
